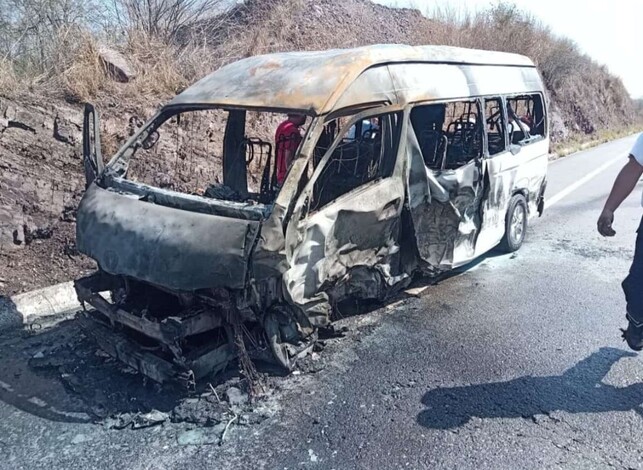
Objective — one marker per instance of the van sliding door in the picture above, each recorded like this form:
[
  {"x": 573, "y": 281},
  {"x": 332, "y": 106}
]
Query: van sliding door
[
  {"x": 445, "y": 184},
  {"x": 515, "y": 160}
]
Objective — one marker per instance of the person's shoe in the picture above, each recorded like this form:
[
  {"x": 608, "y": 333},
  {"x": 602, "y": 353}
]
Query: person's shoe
[{"x": 634, "y": 336}]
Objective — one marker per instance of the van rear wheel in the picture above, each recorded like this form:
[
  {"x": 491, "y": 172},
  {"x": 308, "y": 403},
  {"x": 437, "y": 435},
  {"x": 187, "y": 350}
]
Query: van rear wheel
[{"x": 515, "y": 224}]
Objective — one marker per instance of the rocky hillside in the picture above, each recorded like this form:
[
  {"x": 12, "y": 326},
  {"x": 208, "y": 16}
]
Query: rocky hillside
[
  {"x": 40, "y": 186},
  {"x": 41, "y": 114}
]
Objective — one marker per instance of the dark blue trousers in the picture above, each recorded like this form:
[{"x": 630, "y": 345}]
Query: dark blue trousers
[{"x": 633, "y": 283}]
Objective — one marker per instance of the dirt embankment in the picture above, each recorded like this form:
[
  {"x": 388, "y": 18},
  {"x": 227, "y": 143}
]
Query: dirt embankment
[
  {"x": 41, "y": 184},
  {"x": 39, "y": 189},
  {"x": 41, "y": 175}
]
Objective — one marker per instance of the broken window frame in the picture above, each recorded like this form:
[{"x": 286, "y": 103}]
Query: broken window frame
[
  {"x": 304, "y": 199},
  {"x": 382, "y": 161},
  {"x": 483, "y": 135},
  {"x": 503, "y": 114},
  {"x": 117, "y": 167},
  {"x": 532, "y": 138}
]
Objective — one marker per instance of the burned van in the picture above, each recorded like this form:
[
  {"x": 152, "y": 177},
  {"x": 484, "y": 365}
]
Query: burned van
[{"x": 215, "y": 237}]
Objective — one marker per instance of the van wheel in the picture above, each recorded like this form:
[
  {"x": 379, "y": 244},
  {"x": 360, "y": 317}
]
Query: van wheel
[{"x": 515, "y": 224}]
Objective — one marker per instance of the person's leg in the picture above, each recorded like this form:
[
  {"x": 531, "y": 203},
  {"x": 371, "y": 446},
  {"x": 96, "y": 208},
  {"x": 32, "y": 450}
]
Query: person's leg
[{"x": 633, "y": 288}]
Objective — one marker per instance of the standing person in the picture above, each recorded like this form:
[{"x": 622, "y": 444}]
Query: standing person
[
  {"x": 633, "y": 283},
  {"x": 287, "y": 139}
]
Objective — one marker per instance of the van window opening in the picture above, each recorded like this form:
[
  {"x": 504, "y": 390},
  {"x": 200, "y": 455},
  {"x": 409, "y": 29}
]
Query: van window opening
[
  {"x": 495, "y": 126},
  {"x": 365, "y": 153},
  {"x": 526, "y": 119},
  {"x": 449, "y": 134},
  {"x": 225, "y": 155}
]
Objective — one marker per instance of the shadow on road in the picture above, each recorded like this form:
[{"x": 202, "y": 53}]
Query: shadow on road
[
  {"x": 578, "y": 390},
  {"x": 9, "y": 314}
]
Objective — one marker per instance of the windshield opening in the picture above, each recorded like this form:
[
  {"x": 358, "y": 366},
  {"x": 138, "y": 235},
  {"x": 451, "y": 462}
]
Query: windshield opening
[{"x": 231, "y": 155}]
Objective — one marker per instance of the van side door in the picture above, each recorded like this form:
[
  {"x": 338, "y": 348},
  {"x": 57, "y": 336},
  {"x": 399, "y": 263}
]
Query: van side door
[
  {"x": 343, "y": 235},
  {"x": 445, "y": 181},
  {"x": 515, "y": 161}
]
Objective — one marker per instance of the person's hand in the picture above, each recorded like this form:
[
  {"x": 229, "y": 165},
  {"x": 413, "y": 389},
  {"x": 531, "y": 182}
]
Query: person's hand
[{"x": 604, "y": 223}]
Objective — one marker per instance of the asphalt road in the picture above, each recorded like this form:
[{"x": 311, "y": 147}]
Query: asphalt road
[{"x": 516, "y": 362}]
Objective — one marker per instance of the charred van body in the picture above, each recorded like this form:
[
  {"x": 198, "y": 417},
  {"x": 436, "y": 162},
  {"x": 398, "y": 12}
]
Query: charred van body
[{"x": 415, "y": 160}]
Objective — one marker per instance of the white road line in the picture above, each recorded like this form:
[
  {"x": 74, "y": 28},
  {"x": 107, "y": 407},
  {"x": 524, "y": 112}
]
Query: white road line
[{"x": 573, "y": 187}]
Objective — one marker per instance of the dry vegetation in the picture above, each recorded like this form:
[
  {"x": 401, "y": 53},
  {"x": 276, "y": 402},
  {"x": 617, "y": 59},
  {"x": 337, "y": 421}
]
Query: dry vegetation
[{"x": 50, "y": 47}]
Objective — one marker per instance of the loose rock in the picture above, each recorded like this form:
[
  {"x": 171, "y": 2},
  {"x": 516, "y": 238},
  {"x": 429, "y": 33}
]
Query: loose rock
[
  {"x": 152, "y": 418},
  {"x": 203, "y": 412},
  {"x": 116, "y": 64},
  {"x": 19, "y": 236}
]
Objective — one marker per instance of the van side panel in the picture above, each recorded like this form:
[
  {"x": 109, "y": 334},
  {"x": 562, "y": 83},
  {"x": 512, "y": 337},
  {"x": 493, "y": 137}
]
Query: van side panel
[
  {"x": 422, "y": 82},
  {"x": 504, "y": 175},
  {"x": 523, "y": 173}
]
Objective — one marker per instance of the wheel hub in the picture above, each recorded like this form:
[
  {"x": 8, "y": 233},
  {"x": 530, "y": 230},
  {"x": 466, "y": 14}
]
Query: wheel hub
[{"x": 517, "y": 225}]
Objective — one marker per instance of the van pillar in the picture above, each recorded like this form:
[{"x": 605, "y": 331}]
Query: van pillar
[{"x": 234, "y": 153}]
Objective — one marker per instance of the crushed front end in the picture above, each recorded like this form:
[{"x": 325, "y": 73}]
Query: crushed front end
[
  {"x": 189, "y": 279},
  {"x": 182, "y": 300}
]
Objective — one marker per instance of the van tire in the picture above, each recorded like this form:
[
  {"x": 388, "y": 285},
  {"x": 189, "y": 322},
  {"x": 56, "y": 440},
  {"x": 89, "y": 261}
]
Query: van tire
[{"x": 515, "y": 224}]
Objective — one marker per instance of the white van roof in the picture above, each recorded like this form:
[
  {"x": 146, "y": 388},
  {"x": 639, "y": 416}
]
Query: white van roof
[{"x": 313, "y": 82}]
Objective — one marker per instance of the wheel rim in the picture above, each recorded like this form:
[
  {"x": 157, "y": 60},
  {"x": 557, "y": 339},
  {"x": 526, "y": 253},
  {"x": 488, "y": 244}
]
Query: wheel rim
[{"x": 517, "y": 226}]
